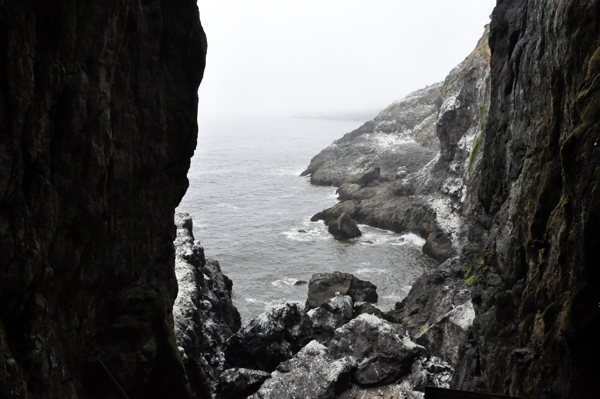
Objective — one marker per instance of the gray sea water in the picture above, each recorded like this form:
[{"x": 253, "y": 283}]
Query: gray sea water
[{"x": 252, "y": 210}]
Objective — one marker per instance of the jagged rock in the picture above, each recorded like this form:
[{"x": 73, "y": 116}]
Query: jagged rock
[
  {"x": 331, "y": 315},
  {"x": 378, "y": 353},
  {"x": 344, "y": 228},
  {"x": 444, "y": 338},
  {"x": 366, "y": 308},
  {"x": 203, "y": 312},
  {"x": 239, "y": 383},
  {"x": 313, "y": 373},
  {"x": 270, "y": 338},
  {"x": 431, "y": 297},
  {"x": 324, "y": 286},
  {"x": 431, "y": 371}
]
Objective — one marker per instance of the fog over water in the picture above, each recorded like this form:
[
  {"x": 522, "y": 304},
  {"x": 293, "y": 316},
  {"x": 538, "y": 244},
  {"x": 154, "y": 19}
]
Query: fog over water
[{"x": 316, "y": 57}]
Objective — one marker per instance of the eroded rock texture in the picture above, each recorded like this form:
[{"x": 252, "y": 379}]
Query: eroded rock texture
[
  {"x": 537, "y": 297},
  {"x": 98, "y": 104}
]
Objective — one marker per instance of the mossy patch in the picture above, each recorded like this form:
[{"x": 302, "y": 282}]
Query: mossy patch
[{"x": 473, "y": 153}]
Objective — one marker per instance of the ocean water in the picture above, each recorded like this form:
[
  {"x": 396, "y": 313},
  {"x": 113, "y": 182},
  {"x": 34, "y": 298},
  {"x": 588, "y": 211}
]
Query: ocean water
[{"x": 251, "y": 212}]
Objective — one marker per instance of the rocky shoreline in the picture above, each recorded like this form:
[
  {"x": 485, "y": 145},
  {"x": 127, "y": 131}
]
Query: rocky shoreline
[
  {"x": 338, "y": 345},
  {"x": 408, "y": 169}
]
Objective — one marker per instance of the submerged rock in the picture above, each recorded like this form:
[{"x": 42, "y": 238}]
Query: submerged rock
[
  {"x": 313, "y": 373},
  {"x": 324, "y": 286},
  {"x": 344, "y": 228},
  {"x": 270, "y": 338}
]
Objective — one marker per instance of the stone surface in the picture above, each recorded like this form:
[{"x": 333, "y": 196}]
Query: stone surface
[
  {"x": 324, "y": 286},
  {"x": 312, "y": 373},
  {"x": 270, "y": 338},
  {"x": 536, "y": 291},
  {"x": 331, "y": 315},
  {"x": 378, "y": 353},
  {"x": 344, "y": 227},
  {"x": 98, "y": 108},
  {"x": 241, "y": 383},
  {"x": 203, "y": 312}
]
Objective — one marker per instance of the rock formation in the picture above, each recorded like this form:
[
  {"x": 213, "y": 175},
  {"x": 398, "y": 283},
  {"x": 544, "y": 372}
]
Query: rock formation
[
  {"x": 98, "y": 105},
  {"x": 408, "y": 169},
  {"x": 536, "y": 289}
]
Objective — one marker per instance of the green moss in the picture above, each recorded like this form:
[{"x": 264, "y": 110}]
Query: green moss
[
  {"x": 474, "y": 152},
  {"x": 469, "y": 281}
]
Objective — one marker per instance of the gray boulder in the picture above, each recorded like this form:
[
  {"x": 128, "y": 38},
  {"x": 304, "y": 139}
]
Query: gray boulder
[
  {"x": 377, "y": 352},
  {"x": 324, "y": 286},
  {"x": 369, "y": 177},
  {"x": 331, "y": 315},
  {"x": 240, "y": 383},
  {"x": 313, "y": 373},
  {"x": 270, "y": 338},
  {"x": 344, "y": 228}
]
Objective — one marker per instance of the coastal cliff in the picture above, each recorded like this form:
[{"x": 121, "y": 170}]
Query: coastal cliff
[
  {"x": 536, "y": 288},
  {"x": 98, "y": 104},
  {"x": 409, "y": 168}
]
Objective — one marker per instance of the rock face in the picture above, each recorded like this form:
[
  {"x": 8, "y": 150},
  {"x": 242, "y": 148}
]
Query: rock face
[
  {"x": 269, "y": 339},
  {"x": 408, "y": 169},
  {"x": 536, "y": 294},
  {"x": 204, "y": 314},
  {"x": 98, "y": 105},
  {"x": 344, "y": 227}
]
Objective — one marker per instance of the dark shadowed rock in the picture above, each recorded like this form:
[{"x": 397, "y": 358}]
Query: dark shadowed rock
[
  {"x": 344, "y": 228},
  {"x": 313, "y": 373},
  {"x": 366, "y": 308},
  {"x": 240, "y": 383},
  {"x": 270, "y": 338},
  {"x": 333, "y": 213},
  {"x": 331, "y": 315},
  {"x": 324, "y": 286},
  {"x": 378, "y": 353},
  {"x": 369, "y": 177}
]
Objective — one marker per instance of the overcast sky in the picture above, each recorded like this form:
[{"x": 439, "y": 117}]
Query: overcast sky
[{"x": 292, "y": 57}]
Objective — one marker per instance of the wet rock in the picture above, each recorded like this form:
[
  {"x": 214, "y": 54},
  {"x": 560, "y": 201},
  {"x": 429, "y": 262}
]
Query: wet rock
[
  {"x": 331, "y": 315},
  {"x": 270, "y": 338},
  {"x": 324, "y": 286},
  {"x": 313, "y": 373},
  {"x": 344, "y": 228},
  {"x": 378, "y": 353},
  {"x": 335, "y": 212},
  {"x": 239, "y": 383}
]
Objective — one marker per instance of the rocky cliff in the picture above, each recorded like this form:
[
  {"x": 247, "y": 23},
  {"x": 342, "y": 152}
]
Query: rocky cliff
[
  {"x": 98, "y": 104},
  {"x": 536, "y": 290},
  {"x": 409, "y": 168}
]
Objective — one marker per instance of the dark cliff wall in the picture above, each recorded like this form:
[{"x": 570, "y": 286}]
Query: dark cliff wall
[
  {"x": 98, "y": 104},
  {"x": 537, "y": 288}
]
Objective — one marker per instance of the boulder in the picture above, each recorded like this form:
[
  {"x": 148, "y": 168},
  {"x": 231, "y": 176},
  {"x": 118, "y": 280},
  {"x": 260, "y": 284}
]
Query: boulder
[
  {"x": 344, "y": 228},
  {"x": 270, "y": 338},
  {"x": 239, "y": 383},
  {"x": 324, "y": 286},
  {"x": 331, "y": 315},
  {"x": 378, "y": 353},
  {"x": 431, "y": 371},
  {"x": 313, "y": 373},
  {"x": 333, "y": 213}
]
